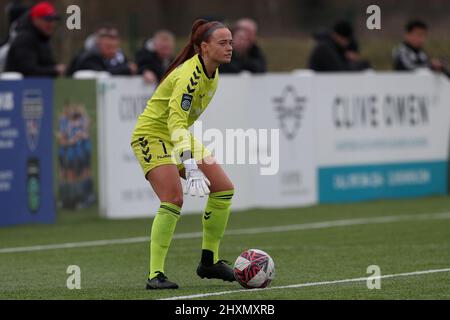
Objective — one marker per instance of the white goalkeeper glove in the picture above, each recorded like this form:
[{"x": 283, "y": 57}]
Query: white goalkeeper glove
[{"x": 196, "y": 182}]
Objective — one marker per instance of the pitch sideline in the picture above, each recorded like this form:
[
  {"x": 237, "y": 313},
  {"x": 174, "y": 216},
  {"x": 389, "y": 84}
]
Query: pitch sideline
[{"x": 302, "y": 285}]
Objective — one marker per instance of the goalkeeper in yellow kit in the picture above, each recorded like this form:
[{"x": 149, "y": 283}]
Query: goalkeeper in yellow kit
[{"x": 166, "y": 150}]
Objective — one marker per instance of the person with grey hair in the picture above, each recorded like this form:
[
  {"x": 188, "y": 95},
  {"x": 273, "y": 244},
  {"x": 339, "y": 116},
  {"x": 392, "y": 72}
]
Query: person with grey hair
[
  {"x": 155, "y": 56},
  {"x": 105, "y": 55},
  {"x": 247, "y": 55}
]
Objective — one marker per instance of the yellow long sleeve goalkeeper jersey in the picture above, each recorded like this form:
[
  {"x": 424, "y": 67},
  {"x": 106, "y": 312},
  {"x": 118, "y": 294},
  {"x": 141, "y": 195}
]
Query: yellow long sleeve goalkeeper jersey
[{"x": 177, "y": 102}]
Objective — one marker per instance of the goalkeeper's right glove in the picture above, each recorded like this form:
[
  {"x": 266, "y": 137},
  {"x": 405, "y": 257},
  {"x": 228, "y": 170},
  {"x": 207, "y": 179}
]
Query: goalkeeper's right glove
[{"x": 196, "y": 182}]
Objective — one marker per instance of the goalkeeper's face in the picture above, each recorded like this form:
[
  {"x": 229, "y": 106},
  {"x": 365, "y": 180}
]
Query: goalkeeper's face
[{"x": 220, "y": 46}]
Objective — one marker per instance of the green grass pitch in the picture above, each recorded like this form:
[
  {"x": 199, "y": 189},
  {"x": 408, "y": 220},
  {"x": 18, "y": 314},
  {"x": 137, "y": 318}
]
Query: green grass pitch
[{"x": 118, "y": 271}]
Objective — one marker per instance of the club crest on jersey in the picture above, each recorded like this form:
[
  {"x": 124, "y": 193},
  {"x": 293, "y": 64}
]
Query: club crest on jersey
[{"x": 186, "y": 102}]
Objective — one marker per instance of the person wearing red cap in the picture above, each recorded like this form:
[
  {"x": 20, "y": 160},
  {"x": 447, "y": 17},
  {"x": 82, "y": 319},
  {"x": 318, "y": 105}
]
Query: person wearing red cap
[{"x": 30, "y": 52}]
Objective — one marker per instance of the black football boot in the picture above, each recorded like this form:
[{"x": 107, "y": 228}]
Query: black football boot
[
  {"x": 160, "y": 282},
  {"x": 219, "y": 270}
]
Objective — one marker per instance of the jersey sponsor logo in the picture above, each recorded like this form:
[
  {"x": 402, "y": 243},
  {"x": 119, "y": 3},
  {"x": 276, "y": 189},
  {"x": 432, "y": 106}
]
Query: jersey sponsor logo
[{"x": 186, "y": 102}]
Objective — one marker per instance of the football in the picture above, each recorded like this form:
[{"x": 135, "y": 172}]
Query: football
[{"x": 254, "y": 268}]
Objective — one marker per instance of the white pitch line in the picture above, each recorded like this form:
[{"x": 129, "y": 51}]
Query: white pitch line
[
  {"x": 195, "y": 235},
  {"x": 302, "y": 285}
]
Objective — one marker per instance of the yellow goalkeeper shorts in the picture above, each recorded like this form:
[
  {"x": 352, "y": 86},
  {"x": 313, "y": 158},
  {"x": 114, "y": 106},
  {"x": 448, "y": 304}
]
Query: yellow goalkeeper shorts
[{"x": 152, "y": 152}]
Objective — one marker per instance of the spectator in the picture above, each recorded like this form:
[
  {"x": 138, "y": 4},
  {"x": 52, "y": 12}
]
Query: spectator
[
  {"x": 155, "y": 56},
  {"x": 410, "y": 54},
  {"x": 335, "y": 50},
  {"x": 14, "y": 10},
  {"x": 89, "y": 44},
  {"x": 247, "y": 56},
  {"x": 30, "y": 52},
  {"x": 106, "y": 55},
  {"x": 353, "y": 57}
]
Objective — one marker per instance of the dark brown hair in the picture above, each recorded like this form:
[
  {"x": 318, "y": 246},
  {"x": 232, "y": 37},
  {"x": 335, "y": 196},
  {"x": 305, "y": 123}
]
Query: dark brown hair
[{"x": 201, "y": 32}]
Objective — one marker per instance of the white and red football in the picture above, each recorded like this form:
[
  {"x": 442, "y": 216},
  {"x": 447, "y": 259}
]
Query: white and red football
[{"x": 254, "y": 268}]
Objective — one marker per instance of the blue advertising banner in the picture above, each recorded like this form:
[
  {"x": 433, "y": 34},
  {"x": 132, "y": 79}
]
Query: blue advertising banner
[
  {"x": 382, "y": 181},
  {"x": 26, "y": 168}
]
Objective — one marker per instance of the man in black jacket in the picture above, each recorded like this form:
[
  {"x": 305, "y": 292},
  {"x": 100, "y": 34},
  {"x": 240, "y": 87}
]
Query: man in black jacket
[
  {"x": 30, "y": 52},
  {"x": 155, "y": 56},
  {"x": 330, "y": 53},
  {"x": 410, "y": 54},
  {"x": 106, "y": 55}
]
